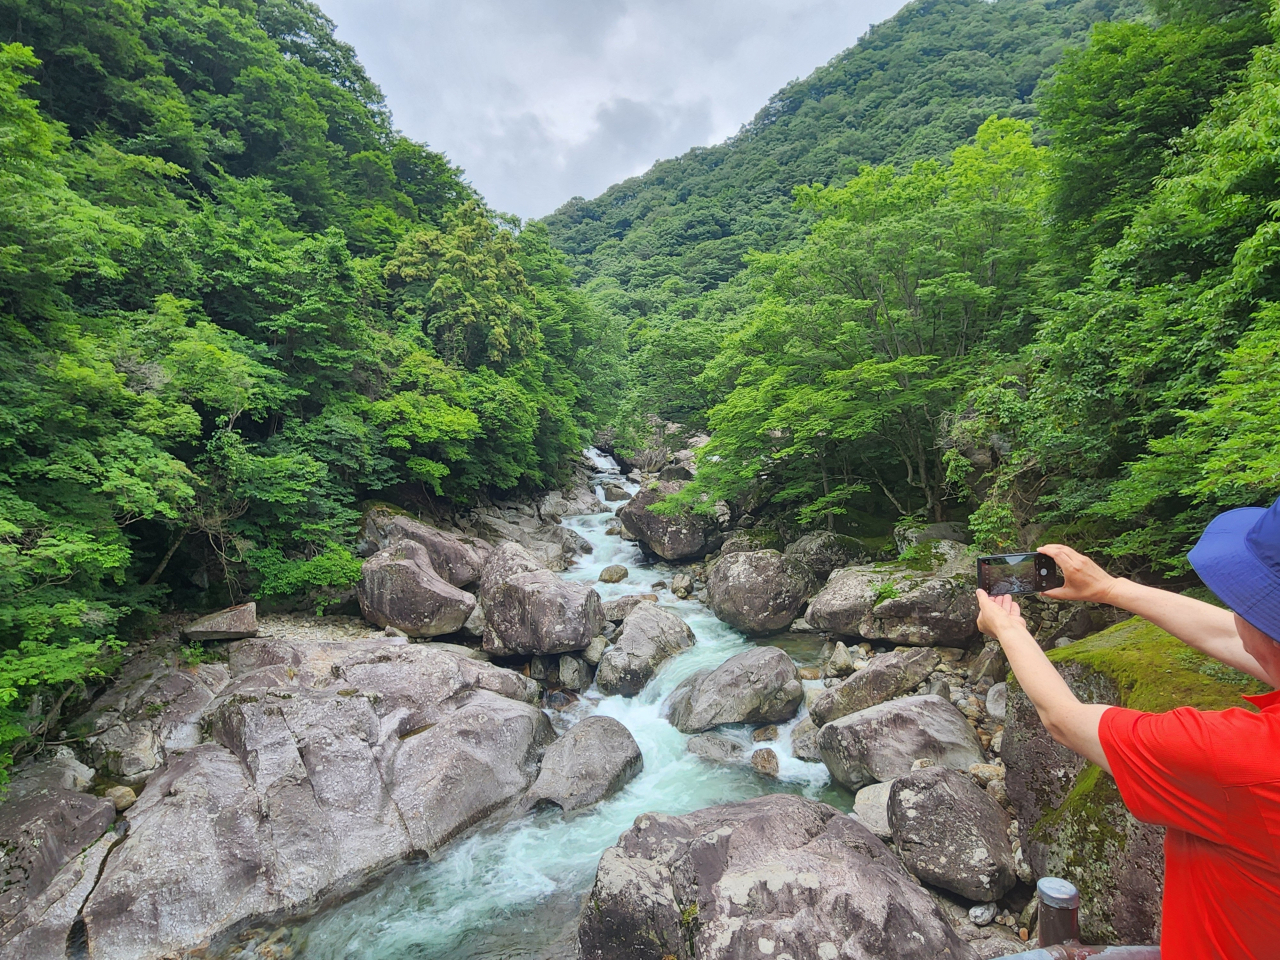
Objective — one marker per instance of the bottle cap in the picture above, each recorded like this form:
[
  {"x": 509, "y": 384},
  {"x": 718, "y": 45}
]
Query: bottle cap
[{"x": 1055, "y": 892}]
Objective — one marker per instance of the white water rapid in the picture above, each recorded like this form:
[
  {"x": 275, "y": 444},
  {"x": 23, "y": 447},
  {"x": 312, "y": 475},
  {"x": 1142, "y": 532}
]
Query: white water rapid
[{"x": 514, "y": 890}]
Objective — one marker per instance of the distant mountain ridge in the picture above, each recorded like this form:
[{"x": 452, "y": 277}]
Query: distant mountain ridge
[{"x": 914, "y": 86}]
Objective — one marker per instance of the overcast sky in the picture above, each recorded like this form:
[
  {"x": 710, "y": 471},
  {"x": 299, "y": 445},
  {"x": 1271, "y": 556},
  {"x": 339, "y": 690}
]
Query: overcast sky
[{"x": 543, "y": 100}]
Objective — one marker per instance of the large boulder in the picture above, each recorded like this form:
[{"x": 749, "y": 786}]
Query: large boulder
[
  {"x": 555, "y": 546},
  {"x": 940, "y": 611},
  {"x": 649, "y": 636},
  {"x": 776, "y": 876},
  {"x": 906, "y": 536},
  {"x": 757, "y": 686},
  {"x": 685, "y": 534},
  {"x": 457, "y": 558},
  {"x": 885, "y": 677},
  {"x": 594, "y": 760},
  {"x": 1072, "y": 820},
  {"x": 615, "y": 611},
  {"x": 233, "y": 623},
  {"x": 930, "y": 606},
  {"x": 759, "y": 592},
  {"x": 950, "y": 833},
  {"x": 823, "y": 551},
  {"x": 537, "y": 613},
  {"x": 400, "y": 588},
  {"x": 328, "y": 761},
  {"x": 882, "y": 742}
]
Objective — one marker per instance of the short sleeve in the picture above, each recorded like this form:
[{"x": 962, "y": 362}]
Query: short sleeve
[{"x": 1164, "y": 765}]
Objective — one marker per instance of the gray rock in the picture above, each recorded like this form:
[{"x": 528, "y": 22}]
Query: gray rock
[
  {"x": 121, "y": 797},
  {"x": 595, "y": 650},
  {"x": 573, "y": 673},
  {"x": 776, "y": 876},
  {"x": 998, "y": 700},
  {"x": 529, "y": 610},
  {"x": 938, "y": 611},
  {"x": 458, "y": 559},
  {"x": 846, "y": 598},
  {"x": 765, "y": 762},
  {"x": 233, "y": 623},
  {"x": 43, "y": 825},
  {"x": 671, "y": 537},
  {"x": 41, "y": 929},
  {"x": 614, "y": 573},
  {"x": 330, "y": 760},
  {"x": 982, "y": 913},
  {"x": 615, "y": 611},
  {"x": 554, "y": 546},
  {"x": 871, "y": 806},
  {"x": 716, "y": 749},
  {"x": 400, "y": 588},
  {"x": 907, "y": 536},
  {"x": 804, "y": 741},
  {"x": 576, "y": 501},
  {"x": 649, "y": 636},
  {"x": 887, "y": 676},
  {"x": 614, "y": 493},
  {"x": 951, "y": 834},
  {"x": 989, "y": 664},
  {"x": 840, "y": 664},
  {"x": 594, "y": 760},
  {"x": 682, "y": 585},
  {"x": 474, "y": 627},
  {"x": 823, "y": 551},
  {"x": 757, "y": 686},
  {"x": 759, "y": 592},
  {"x": 883, "y": 741}
]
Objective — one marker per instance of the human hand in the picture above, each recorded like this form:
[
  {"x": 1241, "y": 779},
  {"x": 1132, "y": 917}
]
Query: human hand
[
  {"x": 1084, "y": 579},
  {"x": 998, "y": 615}
]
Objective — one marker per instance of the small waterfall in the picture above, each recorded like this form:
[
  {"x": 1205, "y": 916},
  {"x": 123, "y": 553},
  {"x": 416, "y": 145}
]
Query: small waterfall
[{"x": 514, "y": 891}]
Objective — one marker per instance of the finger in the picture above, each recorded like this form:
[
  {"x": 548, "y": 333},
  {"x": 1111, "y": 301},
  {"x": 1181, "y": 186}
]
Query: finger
[
  {"x": 1015, "y": 609},
  {"x": 1057, "y": 593}
]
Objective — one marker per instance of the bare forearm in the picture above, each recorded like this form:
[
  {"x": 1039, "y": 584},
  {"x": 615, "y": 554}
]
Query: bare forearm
[
  {"x": 1207, "y": 628},
  {"x": 1070, "y": 722}
]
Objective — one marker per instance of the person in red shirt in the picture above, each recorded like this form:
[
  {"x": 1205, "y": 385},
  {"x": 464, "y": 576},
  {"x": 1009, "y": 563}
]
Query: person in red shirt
[{"x": 1211, "y": 778}]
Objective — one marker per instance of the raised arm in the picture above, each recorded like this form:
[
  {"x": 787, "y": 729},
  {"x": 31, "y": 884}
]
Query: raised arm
[{"x": 1207, "y": 628}]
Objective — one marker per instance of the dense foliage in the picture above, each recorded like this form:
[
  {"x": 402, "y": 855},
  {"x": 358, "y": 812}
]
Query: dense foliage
[
  {"x": 234, "y": 302},
  {"x": 1065, "y": 327},
  {"x": 663, "y": 252}
]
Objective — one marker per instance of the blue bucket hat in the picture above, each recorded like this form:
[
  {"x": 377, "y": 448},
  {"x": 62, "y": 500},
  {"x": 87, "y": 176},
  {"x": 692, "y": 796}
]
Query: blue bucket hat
[{"x": 1238, "y": 558}]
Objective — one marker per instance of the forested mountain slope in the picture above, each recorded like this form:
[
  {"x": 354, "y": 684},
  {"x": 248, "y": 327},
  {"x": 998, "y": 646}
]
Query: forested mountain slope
[
  {"x": 1058, "y": 323},
  {"x": 914, "y": 87},
  {"x": 234, "y": 302}
]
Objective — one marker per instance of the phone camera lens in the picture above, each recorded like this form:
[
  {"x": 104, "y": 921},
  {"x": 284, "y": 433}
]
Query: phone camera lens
[{"x": 1044, "y": 572}]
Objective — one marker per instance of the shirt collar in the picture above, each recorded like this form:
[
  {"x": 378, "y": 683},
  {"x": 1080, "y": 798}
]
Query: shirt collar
[{"x": 1265, "y": 701}]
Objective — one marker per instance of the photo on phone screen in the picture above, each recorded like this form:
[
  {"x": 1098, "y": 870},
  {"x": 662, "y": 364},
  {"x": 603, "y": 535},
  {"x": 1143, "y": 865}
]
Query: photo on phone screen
[{"x": 1008, "y": 574}]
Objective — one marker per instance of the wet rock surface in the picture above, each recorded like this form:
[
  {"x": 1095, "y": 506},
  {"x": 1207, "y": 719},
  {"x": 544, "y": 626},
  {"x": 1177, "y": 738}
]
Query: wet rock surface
[
  {"x": 757, "y": 686},
  {"x": 759, "y": 592},
  {"x": 649, "y": 636},
  {"x": 776, "y": 876},
  {"x": 594, "y": 760},
  {"x": 233, "y": 623}
]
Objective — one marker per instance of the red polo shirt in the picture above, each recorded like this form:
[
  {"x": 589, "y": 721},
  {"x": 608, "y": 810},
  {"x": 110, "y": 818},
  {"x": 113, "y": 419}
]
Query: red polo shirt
[{"x": 1213, "y": 780}]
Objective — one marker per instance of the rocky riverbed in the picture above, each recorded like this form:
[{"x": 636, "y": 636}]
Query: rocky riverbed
[{"x": 546, "y": 721}]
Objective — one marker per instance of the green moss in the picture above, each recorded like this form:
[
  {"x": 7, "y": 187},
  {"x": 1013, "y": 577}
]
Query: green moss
[{"x": 1156, "y": 672}]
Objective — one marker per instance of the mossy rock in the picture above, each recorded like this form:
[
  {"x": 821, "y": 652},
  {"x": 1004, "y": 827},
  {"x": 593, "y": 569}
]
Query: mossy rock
[
  {"x": 1073, "y": 821},
  {"x": 748, "y": 541},
  {"x": 1156, "y": 672}
]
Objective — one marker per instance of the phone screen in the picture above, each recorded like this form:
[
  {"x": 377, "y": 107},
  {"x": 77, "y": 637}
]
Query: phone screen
[{"x": 1011, "y": 573}]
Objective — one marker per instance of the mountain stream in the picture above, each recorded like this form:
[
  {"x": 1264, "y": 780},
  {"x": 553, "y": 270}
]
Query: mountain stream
[{"x": 514, "y": 890}]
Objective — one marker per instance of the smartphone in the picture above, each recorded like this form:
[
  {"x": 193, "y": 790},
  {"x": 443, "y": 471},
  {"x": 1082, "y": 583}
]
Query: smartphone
[{"x": 1009, "y": 573}]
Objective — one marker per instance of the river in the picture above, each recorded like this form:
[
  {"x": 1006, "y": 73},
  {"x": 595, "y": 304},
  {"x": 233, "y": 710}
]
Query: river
[{"x": 514, "y": 890}]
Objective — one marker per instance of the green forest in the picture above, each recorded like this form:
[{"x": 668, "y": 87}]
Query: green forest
[
  {"x": 1009, "y": 262},
  {"x": 236, "y": 302},
  {"x": 1012, "y": 262}
]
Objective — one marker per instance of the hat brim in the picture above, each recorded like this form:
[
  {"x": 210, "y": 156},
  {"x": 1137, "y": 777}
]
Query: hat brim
[{"x": 1230, "y": 569}]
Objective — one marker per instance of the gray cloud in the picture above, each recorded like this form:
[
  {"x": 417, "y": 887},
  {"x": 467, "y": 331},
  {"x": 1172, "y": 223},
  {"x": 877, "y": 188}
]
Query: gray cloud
[{"x": 542, "y": 100}]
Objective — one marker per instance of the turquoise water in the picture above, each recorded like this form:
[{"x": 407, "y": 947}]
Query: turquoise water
[{"x": 514, "y": 890}]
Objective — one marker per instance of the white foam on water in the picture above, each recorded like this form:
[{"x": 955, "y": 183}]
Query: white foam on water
[{"x": 515, "y": 890}]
